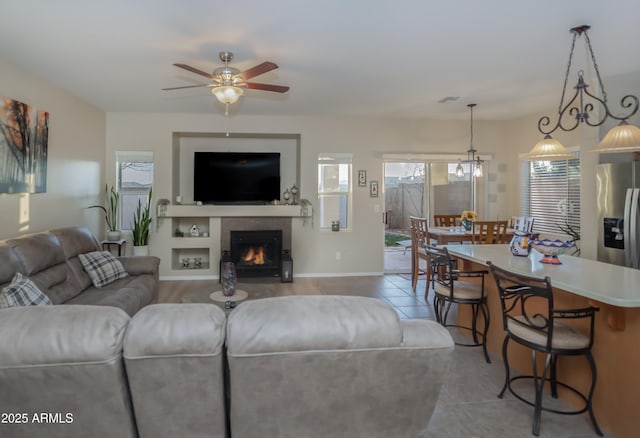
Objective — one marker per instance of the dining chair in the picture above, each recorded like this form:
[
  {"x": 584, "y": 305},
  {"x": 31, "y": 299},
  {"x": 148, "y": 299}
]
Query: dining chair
[
  {"x": 452, "y": 286},
  {"x": 419, "y": 239},
  {"x": 489, "y": 232},
  {"x": 446, "y": 220},
  {"x": 531, "y": 319},
  {"x": 522, "y": 223}
]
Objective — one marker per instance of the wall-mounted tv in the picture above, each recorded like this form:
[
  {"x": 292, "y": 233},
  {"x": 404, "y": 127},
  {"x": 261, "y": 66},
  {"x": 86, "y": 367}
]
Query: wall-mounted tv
[{"x": 236, "y": 177}]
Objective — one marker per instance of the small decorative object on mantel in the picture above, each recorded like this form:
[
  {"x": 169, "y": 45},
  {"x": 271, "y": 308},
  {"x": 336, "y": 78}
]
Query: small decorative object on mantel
[
  {"x": 286, "y": 196},
  {"x": 520, "y": 243},
  {"x": 194, "y": 231},
  {"x": 229, "y": 279},
  {"x": 294, "y": 193},
  {"x": 551, "y": 249},
  {"x": 467, "y": 219}
]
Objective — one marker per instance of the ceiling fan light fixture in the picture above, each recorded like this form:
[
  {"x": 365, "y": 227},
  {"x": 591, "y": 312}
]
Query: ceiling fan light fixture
[
  {"x": 227, "y": 93},
  {"x": 621, "y": 138}
]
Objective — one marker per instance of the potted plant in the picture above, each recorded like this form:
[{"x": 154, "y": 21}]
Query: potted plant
[
  {"x": 141, "y": 225},
  {"x": 112, "y": 201}
]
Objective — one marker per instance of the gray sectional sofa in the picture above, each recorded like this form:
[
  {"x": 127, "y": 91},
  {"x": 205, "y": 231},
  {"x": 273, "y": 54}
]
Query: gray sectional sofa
[
  {"x": 50, "y": 259},
  {"x": 296, "y": 366}
]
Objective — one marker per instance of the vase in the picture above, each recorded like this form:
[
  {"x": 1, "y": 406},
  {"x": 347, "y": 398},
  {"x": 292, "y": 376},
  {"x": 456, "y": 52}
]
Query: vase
[
  {"x": 467, "y": 224},
  {"x": 229, "y": 279},
  {"x": 141, "y": 250},
  {"x": 113, "y": 236},
  {"x": 520, "y": 244}
]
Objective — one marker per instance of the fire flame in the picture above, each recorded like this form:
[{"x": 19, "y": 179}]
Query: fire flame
[{"x": 254, "y": 255}]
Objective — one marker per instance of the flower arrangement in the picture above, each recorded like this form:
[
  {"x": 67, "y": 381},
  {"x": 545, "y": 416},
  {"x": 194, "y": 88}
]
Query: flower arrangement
[
  {"x": 467, "y": 219},
  {"x": 469, "y": 215}
]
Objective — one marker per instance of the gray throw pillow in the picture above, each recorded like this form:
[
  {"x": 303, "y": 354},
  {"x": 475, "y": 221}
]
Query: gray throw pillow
[
  {"x": 103, "y": 268},
  {"x": 22, "y": 292}
]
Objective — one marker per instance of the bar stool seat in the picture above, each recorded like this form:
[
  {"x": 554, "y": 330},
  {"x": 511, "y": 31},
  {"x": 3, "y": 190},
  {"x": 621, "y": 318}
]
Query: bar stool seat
[
  {"x": 564, "y": 336},
  {"x": 463, "y": 290}
]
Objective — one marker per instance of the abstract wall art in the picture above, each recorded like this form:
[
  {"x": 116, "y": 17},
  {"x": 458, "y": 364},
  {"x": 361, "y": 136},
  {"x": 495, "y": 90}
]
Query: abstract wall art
[{"x": 24, "y": 133}]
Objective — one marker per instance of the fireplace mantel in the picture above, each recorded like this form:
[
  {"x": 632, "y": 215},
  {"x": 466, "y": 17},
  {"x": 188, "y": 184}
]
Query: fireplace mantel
[{"x": 236, "y": 211}]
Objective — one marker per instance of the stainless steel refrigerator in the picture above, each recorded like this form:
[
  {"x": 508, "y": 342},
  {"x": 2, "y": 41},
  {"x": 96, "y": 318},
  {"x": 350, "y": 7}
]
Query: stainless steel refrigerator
[{"x": 618, "y": 188}]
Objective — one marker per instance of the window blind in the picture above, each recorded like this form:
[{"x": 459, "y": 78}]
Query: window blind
[{"x": 550, "y": 192}]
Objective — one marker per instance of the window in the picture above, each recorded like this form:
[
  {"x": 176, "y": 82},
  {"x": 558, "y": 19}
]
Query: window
[
  {"x": 334, "y": 190},
  {"x": 135, "y": 179},
  {"x": 551, "y": 194}
]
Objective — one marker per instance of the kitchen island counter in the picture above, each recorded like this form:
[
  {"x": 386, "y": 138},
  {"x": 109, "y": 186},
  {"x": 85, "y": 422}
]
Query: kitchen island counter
[
  {"x": 603, "y": 282},
  {"x": 577, "y": 283}
]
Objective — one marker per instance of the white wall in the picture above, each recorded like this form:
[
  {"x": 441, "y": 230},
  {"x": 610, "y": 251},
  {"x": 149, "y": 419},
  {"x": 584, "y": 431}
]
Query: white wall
[
  {"x": 75, "y": 159},
  {"x": 314, "y": 251}
]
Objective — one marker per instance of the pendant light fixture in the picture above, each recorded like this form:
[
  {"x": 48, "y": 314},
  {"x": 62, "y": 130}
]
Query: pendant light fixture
[
  {"x": 475, "y": 162},
  {"x": 579, "y": 109}
]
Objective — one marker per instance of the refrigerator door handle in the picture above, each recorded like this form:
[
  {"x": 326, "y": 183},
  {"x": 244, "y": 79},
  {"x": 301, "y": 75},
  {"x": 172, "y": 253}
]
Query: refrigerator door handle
[
  {"x": 627, "y": 227},
  {"x": 635, "y": 259}
]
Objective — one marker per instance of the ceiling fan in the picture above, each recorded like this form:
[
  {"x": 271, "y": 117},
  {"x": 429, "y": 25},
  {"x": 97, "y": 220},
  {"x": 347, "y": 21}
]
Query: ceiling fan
[{"x": 228, "y": 83}]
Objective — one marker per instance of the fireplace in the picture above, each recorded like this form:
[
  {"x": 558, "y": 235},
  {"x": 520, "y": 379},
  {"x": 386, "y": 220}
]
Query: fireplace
[{"x": 257, "y": 253}]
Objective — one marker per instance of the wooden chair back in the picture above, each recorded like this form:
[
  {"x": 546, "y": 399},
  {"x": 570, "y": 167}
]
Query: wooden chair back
[
  {"x": 522, "y": 223},
  {"x": 419, "y": 239},
  {"x": 489, "y": 232},
  {"x": 446, "y": 220}
]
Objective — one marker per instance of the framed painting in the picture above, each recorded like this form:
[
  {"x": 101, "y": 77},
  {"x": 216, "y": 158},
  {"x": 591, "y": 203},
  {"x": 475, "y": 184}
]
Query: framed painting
[{"x": 24, "y": 133}]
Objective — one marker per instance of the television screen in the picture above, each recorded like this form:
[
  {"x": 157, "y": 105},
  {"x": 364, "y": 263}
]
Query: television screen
[{"x": 236, "y": 177}]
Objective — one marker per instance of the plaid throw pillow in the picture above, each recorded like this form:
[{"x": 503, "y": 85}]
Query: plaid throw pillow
[
  {"x": 103, "y": 268},
  {"x": 22, "y": 292}
]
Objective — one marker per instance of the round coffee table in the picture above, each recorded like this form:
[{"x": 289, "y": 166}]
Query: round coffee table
[{"x": 213, "y": 294}]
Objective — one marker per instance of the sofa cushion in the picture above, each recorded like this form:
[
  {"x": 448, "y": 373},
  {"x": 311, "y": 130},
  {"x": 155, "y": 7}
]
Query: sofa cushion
[
  {"x": 102, "y": 267},
  {"x": 9, "y": 264},
  {"x": 37, "y": 252},
  {"x": 22, "y": 292},
  {"x": 321, "y": 323},
  {"x": 129, "y": 294}
]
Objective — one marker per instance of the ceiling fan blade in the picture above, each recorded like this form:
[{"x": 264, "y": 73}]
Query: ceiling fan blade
[
  {"x": 257, "y": 70},
  {"x": 187, "y": 86},
  {"x": 267, "y": 87},
  {"x": 195, "y": 70}
]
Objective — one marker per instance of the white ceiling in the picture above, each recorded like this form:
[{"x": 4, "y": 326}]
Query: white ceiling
[{"x": 386, "y": 58}]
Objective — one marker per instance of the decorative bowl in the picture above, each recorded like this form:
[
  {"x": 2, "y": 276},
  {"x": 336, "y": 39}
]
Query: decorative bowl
[{"x": 551, "y": 249}]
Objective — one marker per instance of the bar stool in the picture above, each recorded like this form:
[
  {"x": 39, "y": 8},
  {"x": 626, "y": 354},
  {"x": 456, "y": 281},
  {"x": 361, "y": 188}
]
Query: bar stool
[
  {"x": 449, "y": 288},
  {"x": 530, "y": 319}
]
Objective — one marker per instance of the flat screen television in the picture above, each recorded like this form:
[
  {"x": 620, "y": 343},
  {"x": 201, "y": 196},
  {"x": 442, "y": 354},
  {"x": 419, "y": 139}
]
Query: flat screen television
[{"x": 236, "y": 177}]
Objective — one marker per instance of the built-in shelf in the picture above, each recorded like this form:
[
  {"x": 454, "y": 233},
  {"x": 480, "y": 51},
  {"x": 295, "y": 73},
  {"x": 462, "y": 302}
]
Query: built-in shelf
[{"x": 237, "y": 211}]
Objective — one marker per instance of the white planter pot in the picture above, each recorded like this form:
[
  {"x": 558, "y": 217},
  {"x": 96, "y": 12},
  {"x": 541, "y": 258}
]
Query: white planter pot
[
  {"x": 141, "y": 250},
  {"x": 114, "y": 235}
]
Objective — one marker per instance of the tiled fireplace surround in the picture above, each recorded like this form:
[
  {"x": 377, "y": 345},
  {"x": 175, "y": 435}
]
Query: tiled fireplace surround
[{"x": 229, "y": 224}]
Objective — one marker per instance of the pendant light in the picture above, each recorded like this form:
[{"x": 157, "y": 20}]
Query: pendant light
[
  {"x": 475, "y": 162},
  {"x": 622, "y": 138}
]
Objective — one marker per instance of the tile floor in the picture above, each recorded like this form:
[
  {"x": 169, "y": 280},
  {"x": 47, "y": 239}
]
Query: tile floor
[{"x": 468, "y": 405}]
